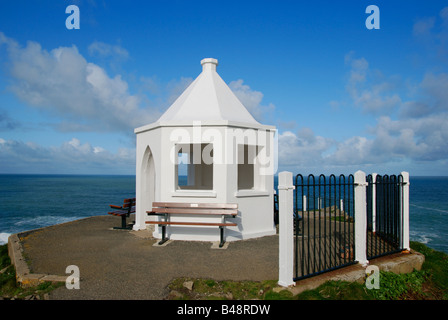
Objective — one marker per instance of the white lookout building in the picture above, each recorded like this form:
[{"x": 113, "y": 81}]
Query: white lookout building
[{"x": 207, "y": 148}]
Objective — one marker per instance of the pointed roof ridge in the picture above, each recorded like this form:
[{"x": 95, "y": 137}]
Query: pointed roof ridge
[{"x": 208, "y": 98}]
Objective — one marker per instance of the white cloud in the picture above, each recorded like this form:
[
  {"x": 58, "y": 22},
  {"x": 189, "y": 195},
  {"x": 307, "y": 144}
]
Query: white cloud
[
  {"x": 410, "y": 126},
  {"x": 251, "y": 99},
  {"x": 419, "y": 134},
  {"x": 71, "y": 157},
  {"x": 419, "y": 139},
  {"x": 63, "y": 83},
  {"x": 435, "y": 87},
  {"x": 372, "y": 97},
  {"x": 424, "y": 26},
  {"x": 113, "y": 55},
  {"x": 6, "y": 122},
  {"x": 162, "y": 95},
  {"x": 86, "y": 98},
  {"x": 175, "y": 88},
  {"x": 98, "y": 48},
  {"x": 432, "y": 32},
  {"x": 303, "y": 148},
  {"x": 407, "y": 129},
  {"x": 353, "y": 151}
]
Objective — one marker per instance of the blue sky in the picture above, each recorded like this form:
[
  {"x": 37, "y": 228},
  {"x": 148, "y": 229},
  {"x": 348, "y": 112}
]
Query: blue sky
[{"x": 343, "y": 97}]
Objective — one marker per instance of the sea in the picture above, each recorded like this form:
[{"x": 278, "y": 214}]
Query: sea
[{"x": 30, "y": 202}]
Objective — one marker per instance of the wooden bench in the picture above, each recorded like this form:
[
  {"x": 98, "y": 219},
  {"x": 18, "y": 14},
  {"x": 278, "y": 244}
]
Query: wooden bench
[
  {"x": 124, "y": 211},
  {"x": 165, "y": 209}
]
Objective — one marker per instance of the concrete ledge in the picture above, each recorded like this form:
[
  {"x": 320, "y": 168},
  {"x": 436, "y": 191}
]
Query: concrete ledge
[
  {"x": 398, "y": 263},
  {"x": 23, "y": 275}
]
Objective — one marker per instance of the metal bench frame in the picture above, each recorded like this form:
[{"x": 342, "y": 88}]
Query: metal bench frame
[
  {"x": 124, "y": 211},
  {"x": 164, "y": 209}
]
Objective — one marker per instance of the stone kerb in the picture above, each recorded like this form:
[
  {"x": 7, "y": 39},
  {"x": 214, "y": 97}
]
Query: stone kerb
[{"x": 24, "y": 277}]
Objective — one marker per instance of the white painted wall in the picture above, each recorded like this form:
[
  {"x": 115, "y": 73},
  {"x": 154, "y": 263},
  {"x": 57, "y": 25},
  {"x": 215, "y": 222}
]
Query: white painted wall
[{"x": 255, "y": 218}]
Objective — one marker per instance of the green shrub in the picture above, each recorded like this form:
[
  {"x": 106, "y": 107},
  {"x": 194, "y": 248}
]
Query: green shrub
[
  {"x": 399, "y": 286},
  {"x": 4, "y": 257}
]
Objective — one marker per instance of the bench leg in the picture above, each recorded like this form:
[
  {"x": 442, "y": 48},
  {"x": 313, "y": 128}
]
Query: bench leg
[
  {"x": 221, "y": 243},
  {"x": 123, "y": 221},
  {"x": 123, "y": 224},
  {"x": 164, "y": 238}
]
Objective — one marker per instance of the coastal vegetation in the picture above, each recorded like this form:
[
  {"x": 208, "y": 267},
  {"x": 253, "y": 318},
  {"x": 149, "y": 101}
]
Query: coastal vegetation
[
  {"x": 429, "y": 283},
  {"x": 9, "y": 289}
]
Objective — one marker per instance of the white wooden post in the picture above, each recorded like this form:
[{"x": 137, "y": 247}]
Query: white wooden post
[
  {"x": 374, "y": 202},
  {"x": 286, "y": 229},
  {"x": 341, "y": 205},
  {"x": 304, "y": 203},
  {"x": 360, "y": 218},
  {"x": 405, "y": 203}
]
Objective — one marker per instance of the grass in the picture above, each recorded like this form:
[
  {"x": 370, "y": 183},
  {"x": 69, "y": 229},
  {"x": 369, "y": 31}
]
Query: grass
[
  {"x": 407, "y": 286},
  {"x": 393, "y": 287},
  {"x": 265, "y": 290},
  {"x": 436, "y": 266},
  {"x": 430, "y": 283},
  {"x": 207, "y": 289}
]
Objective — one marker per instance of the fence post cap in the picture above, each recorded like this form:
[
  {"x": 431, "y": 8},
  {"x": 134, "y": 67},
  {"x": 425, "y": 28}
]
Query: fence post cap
[
  {"x": 360, "y": 178},
  {"x": 285, "y": 178},
  {"x": 405, "y": 176}
]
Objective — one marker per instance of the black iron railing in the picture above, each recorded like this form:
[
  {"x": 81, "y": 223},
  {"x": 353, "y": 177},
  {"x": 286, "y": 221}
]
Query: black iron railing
[
  {"x": 323, "y": 224},
  {"x": 384, "y": 215}
]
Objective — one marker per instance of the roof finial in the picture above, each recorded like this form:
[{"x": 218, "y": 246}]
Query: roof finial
[{"x": 209, "y": 64}]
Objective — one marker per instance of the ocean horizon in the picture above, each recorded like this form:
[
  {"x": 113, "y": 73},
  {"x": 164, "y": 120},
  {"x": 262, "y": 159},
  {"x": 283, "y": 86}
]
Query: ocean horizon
[{"x": 32, "y": 201}]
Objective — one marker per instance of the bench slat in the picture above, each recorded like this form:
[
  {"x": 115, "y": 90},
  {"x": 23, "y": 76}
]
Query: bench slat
[
  {"x": 194, "y": 223},
  {"x": 125, "y": 209},
  {"x": 118, "y": 213},
  {"x": 195, "y": 205},
  {"x": 197, "y": 211}
]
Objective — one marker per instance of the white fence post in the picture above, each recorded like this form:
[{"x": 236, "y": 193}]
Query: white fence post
[
  {"x": 374, "y": 202},
  {"x": 360, "y": 218},
  {"x": 286, "y": 229},
  {"x": 405, "y": 209}
]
